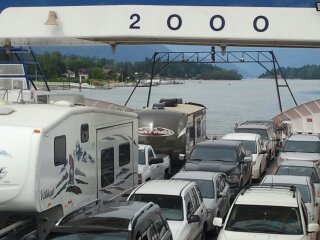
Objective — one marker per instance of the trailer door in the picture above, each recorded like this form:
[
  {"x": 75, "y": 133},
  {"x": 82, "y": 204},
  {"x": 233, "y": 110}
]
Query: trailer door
[{"x": 115, "y": 161}]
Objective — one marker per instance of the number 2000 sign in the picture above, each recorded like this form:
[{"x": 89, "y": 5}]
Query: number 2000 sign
[{"x": 217, "y": 22}]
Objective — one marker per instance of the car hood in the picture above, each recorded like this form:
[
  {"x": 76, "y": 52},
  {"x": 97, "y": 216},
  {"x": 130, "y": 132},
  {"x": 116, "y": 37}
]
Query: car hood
[
  {"x": 211, "y": 166},
  {"x": 142, "y": 168},
  {"x": 176, "y": 227},
  {"x": 299, "y": 156},
  {"x": 228, "y": 235}
]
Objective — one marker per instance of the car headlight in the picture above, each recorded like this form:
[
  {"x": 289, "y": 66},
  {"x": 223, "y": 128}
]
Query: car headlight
[{"x": 233, "y": 179}]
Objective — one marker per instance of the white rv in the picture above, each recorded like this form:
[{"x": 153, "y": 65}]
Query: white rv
[{"x": 56, "y": 157}]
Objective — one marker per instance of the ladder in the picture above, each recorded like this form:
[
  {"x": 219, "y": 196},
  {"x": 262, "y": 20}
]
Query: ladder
[{"x": 27, "y": 58}]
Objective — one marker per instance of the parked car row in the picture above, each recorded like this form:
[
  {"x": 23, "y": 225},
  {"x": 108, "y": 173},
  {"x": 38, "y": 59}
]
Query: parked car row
[
  {"x": 285, "y": 205},
  {"x": 211, "y": 193}
]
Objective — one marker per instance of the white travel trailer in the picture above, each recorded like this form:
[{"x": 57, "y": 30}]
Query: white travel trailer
[{"x": 57, "y": 157}]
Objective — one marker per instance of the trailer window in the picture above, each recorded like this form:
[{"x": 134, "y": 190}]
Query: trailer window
[
  {"x": 198, "y": 128},
  {"x": 124, "y": 154},
  {"x": 60, "y": 150},
  {"x": 107, "y": 167},
  {"x": 191, "y": 133},
  {"x": 84, "y": 133}
]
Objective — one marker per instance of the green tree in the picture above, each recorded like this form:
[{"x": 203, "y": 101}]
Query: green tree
[
  {"x": 52, "y": 64},
  {"x": 97, "y": 73}
]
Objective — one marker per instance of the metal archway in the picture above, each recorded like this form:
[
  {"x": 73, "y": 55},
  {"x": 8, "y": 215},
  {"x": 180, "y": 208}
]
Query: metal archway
[{"x": 213, "y": 57}]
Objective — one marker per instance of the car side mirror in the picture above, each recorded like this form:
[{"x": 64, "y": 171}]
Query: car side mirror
[
  {"x": 193, "y": 219},
  {"x": 313, "y": 227},
  {"x": 217, "y": 222},
  {"x": 222, "y": 195},
  {"x": 182, "y": 157},
  {"x": 155, "y": 161}
]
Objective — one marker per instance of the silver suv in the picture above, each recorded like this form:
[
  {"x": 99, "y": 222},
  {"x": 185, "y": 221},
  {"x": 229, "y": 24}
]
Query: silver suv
[
  {"x": 301, "y": 147},
  {"x": 266, "y": 130}
]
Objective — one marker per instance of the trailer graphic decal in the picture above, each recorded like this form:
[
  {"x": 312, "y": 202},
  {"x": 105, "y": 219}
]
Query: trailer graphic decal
[
  {"x": 72, "y": 176},
  {"x": 81, "y": 155},
  {"x": 79, "y": 173},
  {"x": 122, "y": 172},
  {"x": 105, "y": 191},
  {"x": 48, "y": 193},
  {"x": 3, "y": 173},
  {"x": 156, "y": 131},
  {"x": 117, "y": 185}
]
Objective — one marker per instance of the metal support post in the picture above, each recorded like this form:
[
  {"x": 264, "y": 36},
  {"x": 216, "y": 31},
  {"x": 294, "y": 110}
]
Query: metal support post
[{"x": 276, "y": 79}]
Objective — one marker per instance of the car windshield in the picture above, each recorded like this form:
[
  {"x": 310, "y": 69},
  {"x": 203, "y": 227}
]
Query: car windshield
[
  {"x": 206, "y": 186},
  {"x": 265, "y": 219},
  {"x": 299, "y": 171},
  {"x": 142, "y": 160},
  {"x": 90, "y": 236},
  {"x": 171, "y": 205},
  {"x": 302, "y": 146},
  {"x": 262, "y": 132},
  {"x": 250, "y": 145},
  {"x": 214, "y": 153}
]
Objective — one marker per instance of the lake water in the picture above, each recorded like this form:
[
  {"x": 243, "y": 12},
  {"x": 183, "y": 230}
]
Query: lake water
[{"x": 227, "y": 102}]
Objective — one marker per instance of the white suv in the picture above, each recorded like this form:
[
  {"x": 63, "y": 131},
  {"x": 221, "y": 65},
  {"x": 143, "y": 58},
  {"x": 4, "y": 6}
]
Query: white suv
[
  {"x": 267, "y": 212},
  {"x": 181, "y": 203},
  {"x": 253, "y": 143},
  {"x": 301, "y": 147}
]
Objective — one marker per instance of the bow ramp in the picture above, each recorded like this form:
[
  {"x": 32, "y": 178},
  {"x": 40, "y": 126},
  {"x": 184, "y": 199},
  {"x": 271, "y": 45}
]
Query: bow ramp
[{"x": 222, "y": 22}]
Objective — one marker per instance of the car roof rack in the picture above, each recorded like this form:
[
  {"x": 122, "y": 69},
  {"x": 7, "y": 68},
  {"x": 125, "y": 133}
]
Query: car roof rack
[{"x": 291, "y": 188}]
